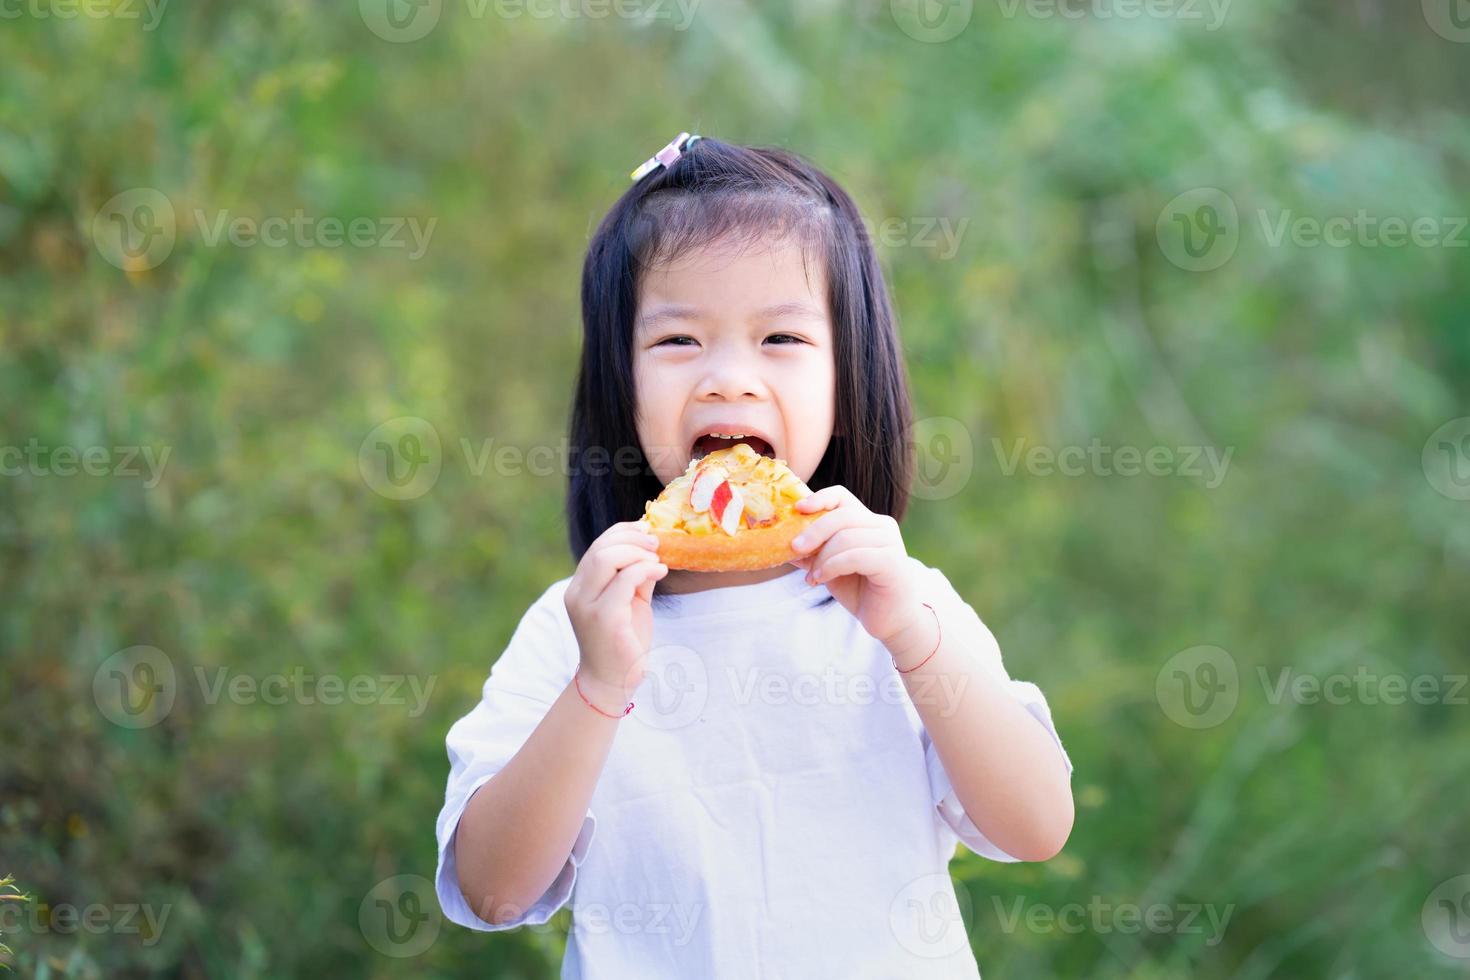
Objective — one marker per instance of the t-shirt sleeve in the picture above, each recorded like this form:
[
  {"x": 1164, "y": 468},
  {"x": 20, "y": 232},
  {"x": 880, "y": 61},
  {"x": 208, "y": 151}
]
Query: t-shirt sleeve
[
  {"x": 977, "y": 637},
  {"x": 531, "y": 673}
]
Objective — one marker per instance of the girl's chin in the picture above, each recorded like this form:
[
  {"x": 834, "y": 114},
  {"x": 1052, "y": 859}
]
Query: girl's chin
[{"x": 679, "y": 576}]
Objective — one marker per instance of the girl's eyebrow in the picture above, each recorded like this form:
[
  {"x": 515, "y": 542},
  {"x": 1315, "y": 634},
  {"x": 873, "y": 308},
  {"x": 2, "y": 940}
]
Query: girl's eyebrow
[
  {"x": 664, "y": 314},
  {"x": 794, "y": 308}
]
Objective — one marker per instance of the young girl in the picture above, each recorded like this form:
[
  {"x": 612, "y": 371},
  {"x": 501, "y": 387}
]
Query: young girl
[{"x": 758, "y": 774}]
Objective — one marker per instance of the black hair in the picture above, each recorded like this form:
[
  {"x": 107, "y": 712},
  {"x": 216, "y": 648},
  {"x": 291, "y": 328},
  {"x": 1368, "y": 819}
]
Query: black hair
[{"x": 715, "y": 191}]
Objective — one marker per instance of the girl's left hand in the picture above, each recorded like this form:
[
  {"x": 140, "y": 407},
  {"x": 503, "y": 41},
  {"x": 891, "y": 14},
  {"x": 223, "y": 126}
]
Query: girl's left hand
[{"x": 861, "y": 558}]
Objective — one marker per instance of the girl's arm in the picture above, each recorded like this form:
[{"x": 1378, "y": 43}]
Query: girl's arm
[
  {"x": 518, "y": 829},
  {"x": 1005, "y": 768}
]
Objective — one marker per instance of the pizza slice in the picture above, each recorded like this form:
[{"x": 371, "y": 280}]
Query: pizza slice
[{"x": 732, "y": 510}]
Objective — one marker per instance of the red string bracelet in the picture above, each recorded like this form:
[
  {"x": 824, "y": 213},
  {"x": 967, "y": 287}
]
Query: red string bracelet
[
  {"x": 939, "y": 640},
  {"x": 593, "y": 706}
]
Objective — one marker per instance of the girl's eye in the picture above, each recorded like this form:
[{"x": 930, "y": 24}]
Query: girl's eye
[{"x": 671, "y": 340}]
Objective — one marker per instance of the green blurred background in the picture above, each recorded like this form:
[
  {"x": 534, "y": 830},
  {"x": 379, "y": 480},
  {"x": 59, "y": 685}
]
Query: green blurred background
[{"x": 1114, "y": 178}]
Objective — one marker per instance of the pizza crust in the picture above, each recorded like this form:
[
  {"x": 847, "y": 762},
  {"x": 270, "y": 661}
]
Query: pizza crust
[{"x": 753, "y": 548}]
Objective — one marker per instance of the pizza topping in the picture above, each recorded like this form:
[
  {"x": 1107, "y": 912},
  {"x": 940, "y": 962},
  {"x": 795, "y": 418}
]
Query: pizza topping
[
  {"x": 722, "y": 497},
  {"x": 714, "y": 492},
  {"x": 727, "y": 507},
  {"x": 759, "y": 507},
  {"x": 734, "y": 489},
  {"x": 705, "y": 483}
]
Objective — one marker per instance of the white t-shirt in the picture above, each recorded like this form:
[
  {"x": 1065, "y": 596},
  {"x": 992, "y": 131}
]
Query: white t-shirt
[{"x": 771, "y": 807}]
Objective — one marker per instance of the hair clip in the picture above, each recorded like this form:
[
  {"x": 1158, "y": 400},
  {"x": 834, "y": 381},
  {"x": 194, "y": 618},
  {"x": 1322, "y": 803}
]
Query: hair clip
[{"x": 666, "y": 156}]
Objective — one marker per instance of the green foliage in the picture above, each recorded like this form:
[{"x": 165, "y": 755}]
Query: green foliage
[
  {"x": 8, "y": 893},
  {"x": 1061, "y": 317}
]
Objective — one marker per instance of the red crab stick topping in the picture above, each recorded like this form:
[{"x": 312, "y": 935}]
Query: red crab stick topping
[
  {"x": 727, "y": 506},
  {"x": 713, "y": 491}
]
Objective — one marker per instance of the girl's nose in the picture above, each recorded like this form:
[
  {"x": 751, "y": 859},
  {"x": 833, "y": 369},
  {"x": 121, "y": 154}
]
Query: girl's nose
[{"x": 731, "y": 376}]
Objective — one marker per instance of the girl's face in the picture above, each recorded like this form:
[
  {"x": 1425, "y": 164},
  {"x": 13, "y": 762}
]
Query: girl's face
[{"x": 736, "y": 340}]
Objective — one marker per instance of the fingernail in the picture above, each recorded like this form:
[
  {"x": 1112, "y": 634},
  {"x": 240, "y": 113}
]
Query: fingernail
[{"x": 799, "y": 541}]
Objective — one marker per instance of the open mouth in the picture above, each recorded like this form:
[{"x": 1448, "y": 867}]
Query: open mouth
[{"x": 705, "y": 445}]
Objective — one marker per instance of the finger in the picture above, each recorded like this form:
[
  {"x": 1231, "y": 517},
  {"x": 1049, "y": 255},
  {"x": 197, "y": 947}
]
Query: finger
[
  {"x": 815, "y": 534},
  {"x": 854, "y": 561},
  {"x": 624, "y": 531},
  {"x": 594, "y": 571},
  {"x": 619, "y": 591},
  {"x": 608, "y": 561},
  {"x": 848, "y": 537},
  {"x": 625, "y": 534},
  {"x": 827, "y": 498}
]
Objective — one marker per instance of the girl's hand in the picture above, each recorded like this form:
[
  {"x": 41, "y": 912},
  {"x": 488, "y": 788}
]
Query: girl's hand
[
  {"x": 609, "y": 600},
  {"x": 861, "y": 557}
]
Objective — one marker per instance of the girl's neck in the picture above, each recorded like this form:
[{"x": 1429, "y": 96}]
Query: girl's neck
[{"x": 680, "y": 582}]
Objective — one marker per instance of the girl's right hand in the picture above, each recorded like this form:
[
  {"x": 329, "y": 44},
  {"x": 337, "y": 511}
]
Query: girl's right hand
[{"x": 609, "y": 601}]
